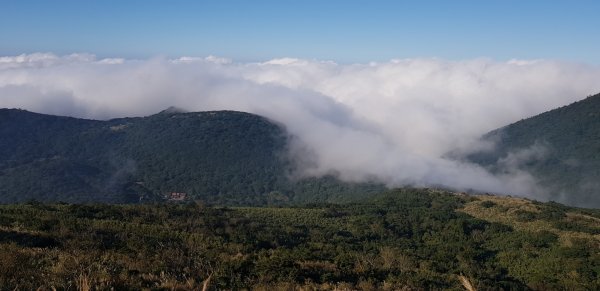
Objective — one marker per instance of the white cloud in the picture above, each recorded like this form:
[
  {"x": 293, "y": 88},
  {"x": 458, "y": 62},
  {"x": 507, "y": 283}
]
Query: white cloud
[
  {"x": 392, "y": 120},
  {"x": 211, "y": 59},
  {"x": 112, "y": 61}
]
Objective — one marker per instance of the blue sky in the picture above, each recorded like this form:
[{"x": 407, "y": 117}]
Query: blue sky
[{"x": 343, "y": 31}]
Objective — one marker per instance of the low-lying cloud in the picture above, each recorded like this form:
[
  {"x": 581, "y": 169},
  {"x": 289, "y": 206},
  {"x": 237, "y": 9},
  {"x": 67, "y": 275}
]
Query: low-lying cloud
[{"x": 393, "y": 121}]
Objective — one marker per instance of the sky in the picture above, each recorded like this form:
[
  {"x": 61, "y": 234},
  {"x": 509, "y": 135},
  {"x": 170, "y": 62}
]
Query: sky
[
  {"x": 380, "y": 90},
  {"x": 341, "y": 31}
]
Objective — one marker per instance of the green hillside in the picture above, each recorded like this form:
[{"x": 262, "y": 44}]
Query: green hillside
[
  {"x": 567, "y": 142},
  {"x": 223, "y": 157},
  {"x": 408, "y": 239}
]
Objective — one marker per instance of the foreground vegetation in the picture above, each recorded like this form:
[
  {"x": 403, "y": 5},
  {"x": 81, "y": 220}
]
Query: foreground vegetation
[{"x": 412, "y": 239}]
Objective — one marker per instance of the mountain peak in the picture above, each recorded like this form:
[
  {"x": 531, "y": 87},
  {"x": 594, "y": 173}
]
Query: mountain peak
[{"x": 172, "y": 109}]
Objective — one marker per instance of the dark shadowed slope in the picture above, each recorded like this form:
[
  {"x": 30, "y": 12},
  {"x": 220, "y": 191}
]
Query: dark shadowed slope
[
  {"x": 223, "y": 157},
  {"x": 561, "y": 148}
]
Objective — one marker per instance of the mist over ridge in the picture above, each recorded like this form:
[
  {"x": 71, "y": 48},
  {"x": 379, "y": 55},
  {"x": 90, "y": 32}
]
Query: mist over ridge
[{"x": 394, "y": 121}]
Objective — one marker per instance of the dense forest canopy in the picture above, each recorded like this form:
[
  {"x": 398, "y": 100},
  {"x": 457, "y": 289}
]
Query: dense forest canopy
[{"x": 223, "y": 157}]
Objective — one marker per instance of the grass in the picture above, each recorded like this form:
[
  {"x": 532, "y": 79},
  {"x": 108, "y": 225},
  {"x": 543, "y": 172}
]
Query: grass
[
  {"x": 466, "y": 283},
  {"x": 507, "y": 211}
]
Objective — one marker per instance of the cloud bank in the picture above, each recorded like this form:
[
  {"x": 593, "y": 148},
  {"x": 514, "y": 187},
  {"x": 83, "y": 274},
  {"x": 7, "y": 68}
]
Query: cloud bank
[{"x": 393, "y": 121}]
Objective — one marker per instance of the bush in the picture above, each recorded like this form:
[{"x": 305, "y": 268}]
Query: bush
[{"x": 488, "y": 204}]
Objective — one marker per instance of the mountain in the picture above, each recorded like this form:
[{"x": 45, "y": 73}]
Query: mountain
[
  {"x": 222, "y": 157},
  {"x": 561, "y": 148}
]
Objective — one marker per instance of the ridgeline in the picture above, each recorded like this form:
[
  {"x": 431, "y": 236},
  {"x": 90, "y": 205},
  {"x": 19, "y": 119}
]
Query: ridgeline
[{"x": 220, "y": 157}]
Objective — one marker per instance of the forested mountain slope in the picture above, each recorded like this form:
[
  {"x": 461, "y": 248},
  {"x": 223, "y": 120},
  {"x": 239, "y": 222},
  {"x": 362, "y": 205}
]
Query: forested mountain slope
[
  {"x": 561, "y": 148},
  {"x": 222, "y": 157}
]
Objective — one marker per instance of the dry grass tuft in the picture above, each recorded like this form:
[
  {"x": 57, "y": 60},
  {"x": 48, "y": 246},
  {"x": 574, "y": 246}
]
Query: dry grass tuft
[
  {"x": 466, "y": 283},
  {"x": 206, "y": 283},
  {"x": 83, "y": 282}
]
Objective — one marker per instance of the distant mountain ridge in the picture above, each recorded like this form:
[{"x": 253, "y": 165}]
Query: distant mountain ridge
[
  {"x": 222, "y": 157},
  {"x": 563, "y": 147},
  {"x": 237, "y": 158}
]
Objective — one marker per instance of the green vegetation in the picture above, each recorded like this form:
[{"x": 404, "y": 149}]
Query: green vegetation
[
  {"x": 407, "y": 238},
  {"x": 224, "y": 157},
  {"x": 567, "y": 142}
]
